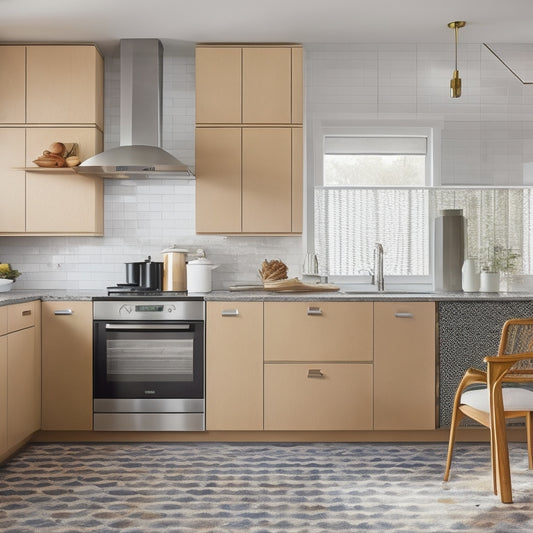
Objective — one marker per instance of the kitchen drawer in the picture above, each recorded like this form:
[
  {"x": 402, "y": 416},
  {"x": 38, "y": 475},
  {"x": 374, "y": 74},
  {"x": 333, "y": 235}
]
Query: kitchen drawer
[
  {"x": 318, "y": 331},
  {"x": 318, "y": 396},
  {"x": 20, "y": 316},
  {"x": 3, "y": 320}
]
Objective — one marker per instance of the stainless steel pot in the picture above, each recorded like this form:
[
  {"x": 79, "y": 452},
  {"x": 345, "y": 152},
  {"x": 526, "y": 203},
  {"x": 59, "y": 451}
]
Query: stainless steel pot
[
  {"x": 151, "y": 275},
  {"x": 133, "y": 273},
  {"x": 174, "y": 269}
]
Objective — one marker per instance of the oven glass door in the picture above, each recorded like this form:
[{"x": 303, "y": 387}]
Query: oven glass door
[{"x": 148, "y": 359}]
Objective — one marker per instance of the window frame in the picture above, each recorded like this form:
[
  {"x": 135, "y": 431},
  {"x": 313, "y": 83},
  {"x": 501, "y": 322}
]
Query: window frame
[{"x": 319, "y": 129}]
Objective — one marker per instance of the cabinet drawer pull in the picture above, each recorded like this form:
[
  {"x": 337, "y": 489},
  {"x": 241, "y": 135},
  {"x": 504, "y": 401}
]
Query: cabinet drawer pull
[
  {"x": 404, "y": 315},
  {"x": 315, "y": 373},
  {"x": 27, "y": 312},
  {"x": 63, "y": 312},
  {"x": 230, "y": 312},
  {"x": 314, "y": 311}
]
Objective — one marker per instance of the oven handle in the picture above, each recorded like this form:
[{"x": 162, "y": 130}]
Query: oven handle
[{"x": 125, "y": 327}]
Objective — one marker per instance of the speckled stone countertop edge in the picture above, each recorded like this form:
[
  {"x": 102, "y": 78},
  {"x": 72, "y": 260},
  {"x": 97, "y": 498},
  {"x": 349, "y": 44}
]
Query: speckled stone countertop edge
[{"x": 21, "y": 296}]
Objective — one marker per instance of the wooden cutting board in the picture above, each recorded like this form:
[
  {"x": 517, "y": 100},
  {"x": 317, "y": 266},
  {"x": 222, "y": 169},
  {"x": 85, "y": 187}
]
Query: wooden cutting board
[{"x": 295, "y": 285}]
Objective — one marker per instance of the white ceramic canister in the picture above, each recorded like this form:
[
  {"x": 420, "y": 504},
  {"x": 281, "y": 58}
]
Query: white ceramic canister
[
  {"x": 470, "y": 276},
  {"x": 199, "y": 278},
  {"x": 490, "y": 281}
]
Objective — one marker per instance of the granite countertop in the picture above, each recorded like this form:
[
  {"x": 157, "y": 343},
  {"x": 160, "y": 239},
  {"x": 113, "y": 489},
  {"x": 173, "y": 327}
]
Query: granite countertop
[{"x": 20, "y": 296}]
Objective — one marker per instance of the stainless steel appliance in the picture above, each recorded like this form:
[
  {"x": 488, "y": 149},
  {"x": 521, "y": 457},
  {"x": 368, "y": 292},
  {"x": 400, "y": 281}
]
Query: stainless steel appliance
[{"x": 149, "y": 363}]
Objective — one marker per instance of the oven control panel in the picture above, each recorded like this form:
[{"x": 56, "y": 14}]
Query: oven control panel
[{"x": 149, "y": 310}]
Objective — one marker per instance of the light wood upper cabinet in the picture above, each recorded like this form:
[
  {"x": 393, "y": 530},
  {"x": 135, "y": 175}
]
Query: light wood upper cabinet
[
  {"x": 404, "y": 365},
  {"x": 67, "y": 356},
  {"x": 266, "y": 85},
  {"x": 266, "y": 180},
  {"x": 248, "y": 180},
  {"x": 218, "y": 85},
  {"x": 249, "y": 84},
  {"x": 218, "y": 180},
  {"x": 234, "y": 366},
  {"x": 318, "y": 331},
  {"x": 12, "y": 181},
  {"x": 297, "y": 95},
  {"x": 13, "y": 86},
  {"x": 258, "y": 88},
  {"x": 64, "y": 85}
]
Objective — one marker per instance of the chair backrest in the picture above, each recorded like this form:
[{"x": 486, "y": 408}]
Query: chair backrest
[{"x": 517, "y": 338}]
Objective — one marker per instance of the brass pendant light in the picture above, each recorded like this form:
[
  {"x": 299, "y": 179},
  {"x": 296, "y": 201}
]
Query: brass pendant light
[{"x": 455, "y": 82}]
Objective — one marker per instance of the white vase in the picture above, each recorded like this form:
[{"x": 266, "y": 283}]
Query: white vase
[
  {"x": 490, "y": 282},
  {"x": 471, "y": 279}
]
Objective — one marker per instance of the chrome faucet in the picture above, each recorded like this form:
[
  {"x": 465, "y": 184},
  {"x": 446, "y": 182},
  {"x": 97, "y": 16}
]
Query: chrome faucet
[{"x": 377, "y": 278}]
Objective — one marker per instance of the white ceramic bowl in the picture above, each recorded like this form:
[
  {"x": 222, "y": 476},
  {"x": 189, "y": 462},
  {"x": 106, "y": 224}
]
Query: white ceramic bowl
[{"x": 6, "y": 285}]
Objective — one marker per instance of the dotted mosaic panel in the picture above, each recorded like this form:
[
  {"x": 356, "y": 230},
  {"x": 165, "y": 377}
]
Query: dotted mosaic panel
[{"x": 469, "y": 331}]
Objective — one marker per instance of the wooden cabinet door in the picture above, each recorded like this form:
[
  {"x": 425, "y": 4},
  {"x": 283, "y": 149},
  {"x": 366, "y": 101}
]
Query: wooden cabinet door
[
  {"x": 67, "y": 355},
  {"x": 318, "y": 331},
  {"x": 3, "y": 394},
  {"x": 266, "y": 85},
  {"x": 404, "y": 365},
  {"x": 297, "y": 108},
  {"x": 64, "y": 85},
  {"x": 12, "y": 182},
  {"x": 234, "y": 366},
  {"x": 63, "y": 202},
  {"x": 218, "y": 85},
  {"x": 23, "y": 390},
  {"x": 13, "y": 86},
  {"x": 266, "y": 180},
  {"x": 318, "y": 396},
  {"x": 218, "y": 180},
  {"x": 297, "y": 180}
]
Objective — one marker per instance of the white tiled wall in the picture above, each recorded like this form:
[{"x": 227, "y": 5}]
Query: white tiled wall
[{"x": 486, "y": 136}]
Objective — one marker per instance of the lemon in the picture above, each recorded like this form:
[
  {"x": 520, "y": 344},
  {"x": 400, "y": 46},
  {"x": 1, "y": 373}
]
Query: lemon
[{"x": 4, "y": 267}]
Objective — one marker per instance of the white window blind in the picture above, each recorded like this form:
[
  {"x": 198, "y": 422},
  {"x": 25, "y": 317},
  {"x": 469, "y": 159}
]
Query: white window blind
[{"x": 370, "y": 145}]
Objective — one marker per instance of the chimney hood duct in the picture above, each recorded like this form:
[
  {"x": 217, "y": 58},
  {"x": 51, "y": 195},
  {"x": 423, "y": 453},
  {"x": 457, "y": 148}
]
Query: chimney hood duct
[{"x": 141, "y": 94}]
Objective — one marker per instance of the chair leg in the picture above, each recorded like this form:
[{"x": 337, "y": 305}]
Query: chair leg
[
  {"x": 457, "y": 416},
  {"x": 501, "y": 453},
  {"x": 529, "y": 433}
]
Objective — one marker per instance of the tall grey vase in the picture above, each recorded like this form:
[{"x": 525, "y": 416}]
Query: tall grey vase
[{"x": 449, "y": 250}]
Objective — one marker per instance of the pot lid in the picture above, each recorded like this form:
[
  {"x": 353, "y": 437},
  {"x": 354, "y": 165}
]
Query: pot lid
[
  {"x": 202, "y": 261},
  {"x": 174, "y": 249}
]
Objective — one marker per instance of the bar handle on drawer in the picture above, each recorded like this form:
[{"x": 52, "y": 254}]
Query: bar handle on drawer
[
  {"x": 314, "y": 311},
  {"x": 404, "y": 315},
  {"x": 26, "y": 312},
  {"x": 315, "y": 373},
  {"x": 63, "y": 312},
  {"x": 230, "y": 312}
]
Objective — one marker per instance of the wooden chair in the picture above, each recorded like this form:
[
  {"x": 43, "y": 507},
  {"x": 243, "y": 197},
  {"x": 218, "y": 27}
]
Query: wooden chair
[{"x": 493, "y": 404}]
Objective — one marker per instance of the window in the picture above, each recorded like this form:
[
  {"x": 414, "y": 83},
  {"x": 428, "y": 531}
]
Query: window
[
  {"x": 375, "y": 161},
  {"x": 373, "y": 190}
]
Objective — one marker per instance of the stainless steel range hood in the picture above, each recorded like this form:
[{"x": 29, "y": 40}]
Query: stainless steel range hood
[{"x": 141, "y": 95}]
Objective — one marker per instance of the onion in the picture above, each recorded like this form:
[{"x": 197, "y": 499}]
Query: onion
[{"x": 57, "y": 148}]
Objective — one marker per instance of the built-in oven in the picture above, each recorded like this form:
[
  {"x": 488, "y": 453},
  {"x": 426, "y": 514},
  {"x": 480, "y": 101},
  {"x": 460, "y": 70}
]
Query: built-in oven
[{"x": 148, "y": 368}]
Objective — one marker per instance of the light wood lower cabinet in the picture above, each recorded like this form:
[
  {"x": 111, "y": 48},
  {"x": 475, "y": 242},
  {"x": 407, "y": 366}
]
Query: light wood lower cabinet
[
  {"x": 3, "y": 394},
  {"x": 322, "y": 396},
  {"x": 318, "y": 331},
  {"x": 404, "y": 365},
  {"x": 234, "y": 366},
  {"x": 67, "y": 365},
  {"x": 23, "y": 372}
]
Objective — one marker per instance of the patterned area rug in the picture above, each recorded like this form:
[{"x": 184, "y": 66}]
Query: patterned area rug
[{"x": 214, "y": 487}]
